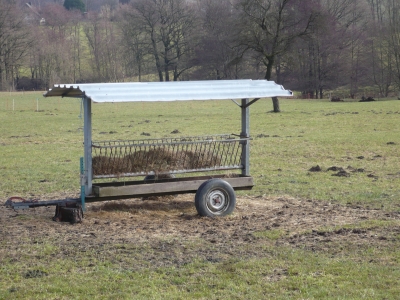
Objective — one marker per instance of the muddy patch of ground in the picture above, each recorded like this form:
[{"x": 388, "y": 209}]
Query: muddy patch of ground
[{"x": 168, "y": 231}]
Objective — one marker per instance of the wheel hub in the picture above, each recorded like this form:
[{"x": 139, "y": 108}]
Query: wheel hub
[{"x": 216, "y": 201}]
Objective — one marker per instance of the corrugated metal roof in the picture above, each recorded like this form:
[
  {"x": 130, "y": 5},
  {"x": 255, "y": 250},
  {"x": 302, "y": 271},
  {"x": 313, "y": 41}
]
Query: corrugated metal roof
[{"x": 170, "y": 91}]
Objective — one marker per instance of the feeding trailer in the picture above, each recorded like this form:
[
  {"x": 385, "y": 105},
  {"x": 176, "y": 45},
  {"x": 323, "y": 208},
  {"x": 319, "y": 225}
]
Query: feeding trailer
[{"x": 164, "y": 164}]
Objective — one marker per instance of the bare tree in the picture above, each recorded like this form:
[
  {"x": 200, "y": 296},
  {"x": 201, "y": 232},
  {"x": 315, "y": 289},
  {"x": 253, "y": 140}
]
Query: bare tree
[
  {"x": 183, "y": 26},
  {"x": 217, "y": 54},
  {"x": 50, "y": 59},
  {"x": 169, "y": 29},
  {"x": 15, "y": 41},
  {"x": 394, "y": 40},
  {"x": 135, "y": 45},
  {"x": 308, "y": 45},
  {"x": 55, "y": 56},
  {"x": 77, "y": 50},
  {"x": 142, "y": 17},
  {"x": 270, "y": 27},
  {"x": 103, "y": 39},
  {"x": 331, "y": 50},
  {"x": 381, "y": 49},
  {"x": 66, "y": 27}
]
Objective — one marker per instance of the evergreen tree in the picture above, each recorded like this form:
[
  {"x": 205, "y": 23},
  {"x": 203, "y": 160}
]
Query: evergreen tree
[{"x": 74, "y": 4}]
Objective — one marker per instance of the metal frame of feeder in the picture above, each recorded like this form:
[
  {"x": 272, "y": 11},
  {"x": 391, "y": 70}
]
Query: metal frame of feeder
[
  {"x": 213, "y": 192},
  {"x": 88, "y": 174},
  {"x": 166, "y": 156}
]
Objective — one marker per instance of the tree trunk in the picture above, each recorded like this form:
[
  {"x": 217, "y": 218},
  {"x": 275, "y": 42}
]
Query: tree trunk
[
  {"x": 140, "y": 71},
  {"x": 157, "y": 58},
  {"x": 275, "y": 103},
  {"x": 275, "y": 100},
  {"x": 166, "y": 70}
]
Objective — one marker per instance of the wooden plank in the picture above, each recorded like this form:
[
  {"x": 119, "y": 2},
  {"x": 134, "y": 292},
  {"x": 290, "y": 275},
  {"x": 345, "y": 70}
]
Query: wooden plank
[
  {"x": 158, "y": 188},
  {"x": 149, "y": 181}
]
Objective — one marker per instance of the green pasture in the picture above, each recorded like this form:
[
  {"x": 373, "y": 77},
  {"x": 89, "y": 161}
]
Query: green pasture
[
  {"x": 304, "y": 275},
  {"x": 42, "y": 138},
  {"x": 41, "y": 143}
]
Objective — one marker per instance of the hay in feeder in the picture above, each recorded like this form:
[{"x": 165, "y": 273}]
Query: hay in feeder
[
  {"x": 104, "y": 165},
  {"x": 158, "y": 160},
  {"x": 201, "y": 160}
]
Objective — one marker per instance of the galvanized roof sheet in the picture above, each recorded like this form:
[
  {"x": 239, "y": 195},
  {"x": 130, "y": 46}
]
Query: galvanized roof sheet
[{"x": 170, "y": 91}]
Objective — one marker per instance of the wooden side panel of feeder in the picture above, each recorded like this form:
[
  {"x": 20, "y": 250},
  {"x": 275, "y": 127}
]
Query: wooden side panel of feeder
[{"x": 184, "y": 185}]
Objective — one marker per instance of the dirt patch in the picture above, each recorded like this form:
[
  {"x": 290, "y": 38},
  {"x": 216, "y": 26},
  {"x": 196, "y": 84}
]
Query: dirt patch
[{"x": 168, "y": 231}]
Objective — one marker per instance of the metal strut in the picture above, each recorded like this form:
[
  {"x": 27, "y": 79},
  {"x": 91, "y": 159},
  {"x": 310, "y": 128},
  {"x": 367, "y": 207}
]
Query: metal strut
[
  {"x": 23, "y": 204},
  {"x": 245, "y": 133}
]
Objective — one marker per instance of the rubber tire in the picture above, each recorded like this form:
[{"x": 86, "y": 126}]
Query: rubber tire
[{"x": 215, "y": 188}]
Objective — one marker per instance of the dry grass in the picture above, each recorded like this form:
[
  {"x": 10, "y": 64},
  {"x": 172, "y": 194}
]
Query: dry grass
[{"x": 156, "y": 160}]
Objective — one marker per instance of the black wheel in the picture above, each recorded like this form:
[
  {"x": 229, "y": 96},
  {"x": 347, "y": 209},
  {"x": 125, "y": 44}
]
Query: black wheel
[{"x": 215, "y": 197}]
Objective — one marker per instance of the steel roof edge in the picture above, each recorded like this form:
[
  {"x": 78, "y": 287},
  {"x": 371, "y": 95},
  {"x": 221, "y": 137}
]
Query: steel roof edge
[{"x": 170, "y": 91}]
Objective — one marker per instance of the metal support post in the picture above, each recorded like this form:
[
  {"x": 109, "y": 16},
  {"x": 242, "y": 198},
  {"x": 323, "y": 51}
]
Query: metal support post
[
  {"x": 83, "y": 181},
  {"x": 245, "y": 134},
  {"x": 87, "y": 143}
]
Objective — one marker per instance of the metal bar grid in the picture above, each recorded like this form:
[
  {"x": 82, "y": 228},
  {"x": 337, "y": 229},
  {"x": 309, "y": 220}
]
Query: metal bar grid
[{"x": 112, "y": 159}]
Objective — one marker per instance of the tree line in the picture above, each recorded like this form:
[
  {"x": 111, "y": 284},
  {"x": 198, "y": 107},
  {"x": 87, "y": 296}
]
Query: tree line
[{"x": 311, "y": 46}]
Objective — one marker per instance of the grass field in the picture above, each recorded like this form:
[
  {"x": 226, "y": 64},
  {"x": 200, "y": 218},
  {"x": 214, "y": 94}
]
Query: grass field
[
  {"x": 41, "y": 149},
  {"x": 351, "y": 256}
]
